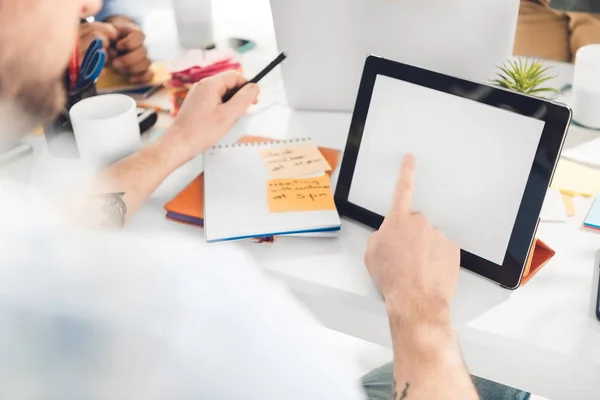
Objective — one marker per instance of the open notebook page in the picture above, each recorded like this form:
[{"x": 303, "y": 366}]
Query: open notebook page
[{"x": 236, "y": 202}]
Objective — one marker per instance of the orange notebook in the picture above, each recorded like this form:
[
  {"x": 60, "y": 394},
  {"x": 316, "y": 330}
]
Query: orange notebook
[{"x": 188, "y": 205}]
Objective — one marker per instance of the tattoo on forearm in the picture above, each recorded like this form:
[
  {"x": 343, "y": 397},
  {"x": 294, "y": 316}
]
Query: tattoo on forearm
[
  {"x": 401, "y": 396},
  {"x": 113, "y": 209}
]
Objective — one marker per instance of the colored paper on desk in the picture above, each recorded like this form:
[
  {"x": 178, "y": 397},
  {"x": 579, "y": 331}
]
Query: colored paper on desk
[
  {"x": 196, "y": 65},
  {"x": 113, "y": 82},
  {"x": 575, "y": 179},
  {"x": 569, "y": 205},
  {"x": 588, "y": 153},
  {"x": 307, "y": 194},
  {"x": 294, "y": 161},
  {"x": 201, "y": 59},
  {"x": 592, "y": 220},
  {"x": 553, "y": 209},
  {"x": 188, "y": 206}
]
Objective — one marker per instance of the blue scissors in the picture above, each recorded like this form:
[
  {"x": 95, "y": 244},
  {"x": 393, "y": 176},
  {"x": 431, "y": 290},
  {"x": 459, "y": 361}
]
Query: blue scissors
[{"x": 93, "y": 62}]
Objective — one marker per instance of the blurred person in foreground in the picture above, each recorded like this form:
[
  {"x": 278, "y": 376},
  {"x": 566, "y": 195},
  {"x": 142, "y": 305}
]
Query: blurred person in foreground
[
  {"x": 95, "y": 314},
  {"x": 118, "y": 25}
]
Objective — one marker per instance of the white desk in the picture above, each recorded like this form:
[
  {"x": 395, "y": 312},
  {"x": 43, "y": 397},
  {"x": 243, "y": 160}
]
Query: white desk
[{"x": 543, "y": 337}]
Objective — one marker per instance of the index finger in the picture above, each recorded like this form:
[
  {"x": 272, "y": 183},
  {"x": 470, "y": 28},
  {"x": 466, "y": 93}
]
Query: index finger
[
  {"x": 99, "y": 28},
  {"x": 86, "y": 40},
  {"x": 403, "y": 193},
  {"x": 109, "y": 31}
]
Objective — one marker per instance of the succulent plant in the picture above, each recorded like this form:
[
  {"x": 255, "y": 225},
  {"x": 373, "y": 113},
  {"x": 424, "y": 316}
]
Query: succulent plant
[{"x": 525, "y": 77}]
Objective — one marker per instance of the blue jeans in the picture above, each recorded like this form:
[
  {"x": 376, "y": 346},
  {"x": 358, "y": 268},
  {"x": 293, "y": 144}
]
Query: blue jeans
[{"x": 378, "y": 385}]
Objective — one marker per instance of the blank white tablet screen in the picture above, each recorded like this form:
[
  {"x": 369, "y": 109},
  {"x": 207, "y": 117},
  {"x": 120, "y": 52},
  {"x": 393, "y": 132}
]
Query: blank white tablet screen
[{"x": 473, "y": 162}]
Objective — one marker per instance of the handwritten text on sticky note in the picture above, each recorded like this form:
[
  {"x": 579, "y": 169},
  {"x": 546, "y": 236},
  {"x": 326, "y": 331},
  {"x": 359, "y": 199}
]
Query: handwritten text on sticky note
[
  {"x": 294, "y": 161},
  {"x": 308, "y": 194}
]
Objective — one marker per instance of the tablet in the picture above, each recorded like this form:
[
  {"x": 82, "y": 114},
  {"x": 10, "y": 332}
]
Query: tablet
[{"x": 485, "y": 158}]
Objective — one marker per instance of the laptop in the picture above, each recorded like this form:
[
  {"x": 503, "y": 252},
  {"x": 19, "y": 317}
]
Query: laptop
[{"x": 327, "y": 42}]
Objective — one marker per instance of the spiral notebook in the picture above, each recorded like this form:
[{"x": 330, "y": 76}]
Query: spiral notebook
[{"x": 239, "y": 202}]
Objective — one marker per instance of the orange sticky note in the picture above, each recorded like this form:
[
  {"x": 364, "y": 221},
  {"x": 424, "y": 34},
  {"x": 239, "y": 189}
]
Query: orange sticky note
[
  {"x": 294, "y": 161},
  {"x": 307, "y": 194}
]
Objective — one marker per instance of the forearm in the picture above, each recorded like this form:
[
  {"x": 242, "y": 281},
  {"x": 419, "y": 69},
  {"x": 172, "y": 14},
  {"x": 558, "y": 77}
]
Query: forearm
[
  {"x": 427, "y": 361},
  {"x": 117, "y": 193}
]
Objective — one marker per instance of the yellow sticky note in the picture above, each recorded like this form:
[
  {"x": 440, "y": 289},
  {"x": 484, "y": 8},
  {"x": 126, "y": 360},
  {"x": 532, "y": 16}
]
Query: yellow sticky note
[
  {"x": 294, "y": 161},
  {"x": 308, "y": 194},
  {"x": 575, "y": 179},
  {"x": 112, "y": 80},
  {"x": 569, "y": 206}
]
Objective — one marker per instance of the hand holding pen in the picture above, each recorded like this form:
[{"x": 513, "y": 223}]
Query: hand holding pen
[{"x": 257, "y": 78}]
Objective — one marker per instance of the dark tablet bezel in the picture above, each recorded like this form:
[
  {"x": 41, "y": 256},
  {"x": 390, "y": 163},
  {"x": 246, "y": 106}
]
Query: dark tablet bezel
[{"x": 556, "y": 118}]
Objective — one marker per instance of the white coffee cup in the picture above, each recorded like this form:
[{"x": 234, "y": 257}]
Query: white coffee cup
[
  {"x": 586, "y": 86},
  {"x": 106, "y": 129},
  {"x": 194, "y": 23}
]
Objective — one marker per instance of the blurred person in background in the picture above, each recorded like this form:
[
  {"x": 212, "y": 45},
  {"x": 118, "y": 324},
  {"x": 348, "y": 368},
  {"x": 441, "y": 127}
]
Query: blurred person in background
[
  {"x": 94, "y": 314},
  {"x": 118, "y": 24},
  {"x": 556, "y": 29}
]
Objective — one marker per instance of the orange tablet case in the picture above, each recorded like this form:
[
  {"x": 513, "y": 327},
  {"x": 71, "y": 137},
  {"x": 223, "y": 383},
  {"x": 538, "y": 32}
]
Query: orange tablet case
[{"x": 541, "y": 254}]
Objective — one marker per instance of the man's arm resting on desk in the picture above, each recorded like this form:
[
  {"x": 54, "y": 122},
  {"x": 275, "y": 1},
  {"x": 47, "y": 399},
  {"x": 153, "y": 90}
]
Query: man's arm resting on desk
[
  {"x": 427, "y": 361},
  {"x": 416, "y": 268},
  {"x": 111, "y": 199},
  {"x": 118, "y": 192}
]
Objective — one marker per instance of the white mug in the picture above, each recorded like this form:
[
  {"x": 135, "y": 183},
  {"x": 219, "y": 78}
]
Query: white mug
[
  {"x": 586, "y": 86},
  {"x": 194, "y": 23},
  {"x": 106, "y": 129}
]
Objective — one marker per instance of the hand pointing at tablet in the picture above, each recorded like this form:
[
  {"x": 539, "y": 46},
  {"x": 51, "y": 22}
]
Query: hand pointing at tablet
[
  {"x": 416, "y": 268},
  {"x": 411, "y": 261}
]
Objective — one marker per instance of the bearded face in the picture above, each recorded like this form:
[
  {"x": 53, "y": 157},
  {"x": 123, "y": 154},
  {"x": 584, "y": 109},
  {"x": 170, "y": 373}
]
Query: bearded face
[{"x": 36, "y": 40}]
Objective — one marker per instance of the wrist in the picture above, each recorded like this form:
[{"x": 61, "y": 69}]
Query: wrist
[
  {"x": 408, "y": 315},
  {"x": 425, "y": 337},
  {"x": 163, "y": 154},
  {"x": 176, "y": 145}
]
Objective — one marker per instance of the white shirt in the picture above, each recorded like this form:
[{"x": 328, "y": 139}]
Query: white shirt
[{"x": 90, "y": 315}]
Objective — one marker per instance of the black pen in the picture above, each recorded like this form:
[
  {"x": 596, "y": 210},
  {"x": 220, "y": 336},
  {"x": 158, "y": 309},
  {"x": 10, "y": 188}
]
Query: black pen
[
  {"x": 230, "y": 93},
  {"x": 598, "y": 299}
]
